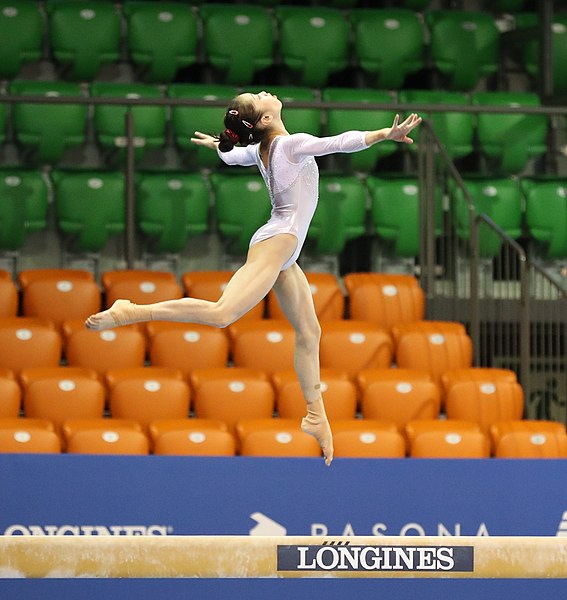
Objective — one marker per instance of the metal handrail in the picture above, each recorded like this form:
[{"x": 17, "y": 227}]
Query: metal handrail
[{"x": 320, "y": 104}]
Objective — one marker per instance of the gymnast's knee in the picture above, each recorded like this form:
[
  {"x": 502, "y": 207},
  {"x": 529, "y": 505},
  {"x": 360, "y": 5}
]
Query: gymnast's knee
[
  {"x": 309, "y": 334},
  {"x": 223, "y": 316}
]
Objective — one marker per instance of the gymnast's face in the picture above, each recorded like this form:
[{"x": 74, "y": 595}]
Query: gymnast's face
[{"x": 263, "y": 102}]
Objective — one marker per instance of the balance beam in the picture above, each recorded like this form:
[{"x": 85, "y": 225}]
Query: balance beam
[{"x": 259, "y": 557}]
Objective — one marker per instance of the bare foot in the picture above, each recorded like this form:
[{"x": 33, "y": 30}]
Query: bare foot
[
  {"x": 317, "y": 425},
  {"x": 122, "y": 312}
]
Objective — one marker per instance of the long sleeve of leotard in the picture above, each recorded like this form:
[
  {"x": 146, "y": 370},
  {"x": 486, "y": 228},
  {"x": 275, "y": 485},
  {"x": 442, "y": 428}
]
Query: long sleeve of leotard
[
  {"x": 301, "y": 145},
  {"x": 242, "y": 156}
]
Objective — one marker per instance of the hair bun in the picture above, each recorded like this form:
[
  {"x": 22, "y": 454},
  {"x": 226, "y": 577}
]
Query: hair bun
[{"x": 226, "y": 142}]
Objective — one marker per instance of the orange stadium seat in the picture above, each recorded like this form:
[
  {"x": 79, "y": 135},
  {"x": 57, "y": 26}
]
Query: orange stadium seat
[
  {"x": 20, "y": 440},
  {"x": 485, "y": 403},
  {"x": 535, "y": 427},
  {"x": 355, "y": 346},
  {"x": 61, "y": 299},
  {"x": 8, "y": 295},
  {"x": 365, "y": 378},
  {"x": 448, "y": 426},
  {"x": 384, "y": 299},
  {"x": 525, "y": 444},
  {"x": 246, "y": 426},
  {"x": 233, "y": 400},
  {"x": 148, "y": 399},
  {"x": 434, "y": 347},
  {"x": 401, "y": 401},
  {"x": 104, "y": 350},
  {"x": 58, "y": 399},
  {"x": 339, "y": 395},
  {"x": 278, "y": 443},
  {"x": 231, "y": 373},
  {"x": 27, "y": 276},
  {"x": 440, "y": 444},
  {"x": 193, "y": 442},
  {"x": 10, "y": 397},
  {"x": 266, "y": 344},
  {"x": 327, "y": 294},
  {"x": 60, "y": 372},
  {"x": 26, "y": 423},
  {"x": 72, "y": 426},
  {"x": 114, "y": 376},
  {"x": 429, "y": 327},
  {"x": 28, "y": 343},
  {"x": 109, "y": 278},
  {"x": 369, "y": 443},
  {"x": 109, "y": 441},
  {"x": 209, "y": 285},
  {"x": 187, "y": 346},
  {"x": 161, "y": 426},
  {"x": 338, "y": 425},
  {"x": 486, "y": 374},
  {"x": 140, "y": 287}
]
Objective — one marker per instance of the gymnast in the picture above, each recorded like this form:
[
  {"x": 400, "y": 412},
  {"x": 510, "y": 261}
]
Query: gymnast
[{"x": 255, "y": 134}]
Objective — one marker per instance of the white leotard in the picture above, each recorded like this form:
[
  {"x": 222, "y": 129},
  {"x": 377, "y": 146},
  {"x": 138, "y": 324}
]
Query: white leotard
[{"x": 292, "y": 178}]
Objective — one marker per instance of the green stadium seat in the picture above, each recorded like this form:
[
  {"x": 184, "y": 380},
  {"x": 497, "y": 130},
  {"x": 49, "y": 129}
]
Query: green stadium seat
[
  {"x": 241, "y": 205},
  {"x": 84, "y": 35},
  {"x": 530, "y": 49},
  {"x": 238, "y": 40},
  {"x": 388, "y": 44},
  {"x": 339, "y": 120},
  {"x": 17, "y": 49},
  {"x": 454, "y": 129},
  {"x": 48, "y": 130},
  {"x": 298, "y": 120},
  {"x": 23, "y": 206},
  {"x": 340, "y": 215},
  {"x": 314, "y": 42},
  {"x": 508, "y": 141},
  {"x": 109, "y": 120},
  {"x": 170, "y": 208},
  {"x": 395, "y": 214},
  {"x": 208, "y": 119},
  {"x": 161, "y": 38},
  {"x": 500, "y": 200},
  {"x": 546, "y": 216},
  {"x": 464, "y": 46},
  {"x": 89, "y": 207}
]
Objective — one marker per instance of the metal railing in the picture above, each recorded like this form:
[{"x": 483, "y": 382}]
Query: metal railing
[{"x": 514, "y": 309}]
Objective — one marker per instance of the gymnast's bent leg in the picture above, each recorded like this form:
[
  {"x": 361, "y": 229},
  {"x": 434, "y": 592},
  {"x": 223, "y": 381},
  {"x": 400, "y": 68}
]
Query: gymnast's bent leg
[
  {"x": 295, "y": 298},
  {"x": 247, "y": 287}
]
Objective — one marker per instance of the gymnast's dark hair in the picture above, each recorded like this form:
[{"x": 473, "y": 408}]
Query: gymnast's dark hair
[{"x": 240, "y": 125}]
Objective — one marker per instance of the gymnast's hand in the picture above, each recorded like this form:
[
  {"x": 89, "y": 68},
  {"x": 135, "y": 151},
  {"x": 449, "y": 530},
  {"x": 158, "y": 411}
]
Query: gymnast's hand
[
  {"x": 203, "y": 139},
  {"x": 399, "y": 131}
]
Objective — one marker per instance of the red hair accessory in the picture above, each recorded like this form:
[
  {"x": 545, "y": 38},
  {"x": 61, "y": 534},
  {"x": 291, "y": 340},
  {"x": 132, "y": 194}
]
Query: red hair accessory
[{"x": 232, "y": 135}]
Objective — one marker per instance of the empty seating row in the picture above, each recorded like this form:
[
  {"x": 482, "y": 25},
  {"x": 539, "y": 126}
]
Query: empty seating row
[
  {"x": 171, "y": 209},
  {"x": 162, "y": 39},
  {"x": 61, "y": 295},
  {"x": 144, "y": 394},
  {"x": 45, "y": 132},
  {"x": 284, "y": 438},
  {"x": 266, "y": 344}
]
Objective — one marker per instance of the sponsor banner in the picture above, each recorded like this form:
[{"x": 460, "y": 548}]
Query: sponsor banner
[
  {"x": 339, "y": 557},
  {"x": 122, "y": 495}
]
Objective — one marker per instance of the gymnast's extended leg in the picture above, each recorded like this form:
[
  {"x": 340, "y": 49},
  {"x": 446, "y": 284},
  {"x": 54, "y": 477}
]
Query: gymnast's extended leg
[
  {"x": 246, "y": 288},
  {"x": 295, "y": 298}
]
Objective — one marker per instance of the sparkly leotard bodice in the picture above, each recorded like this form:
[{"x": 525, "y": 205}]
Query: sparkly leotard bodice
[{"x": 292, "y": 178}]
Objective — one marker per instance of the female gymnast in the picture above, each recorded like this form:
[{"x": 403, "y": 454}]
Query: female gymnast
[{"x": 255, "y": 134}]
